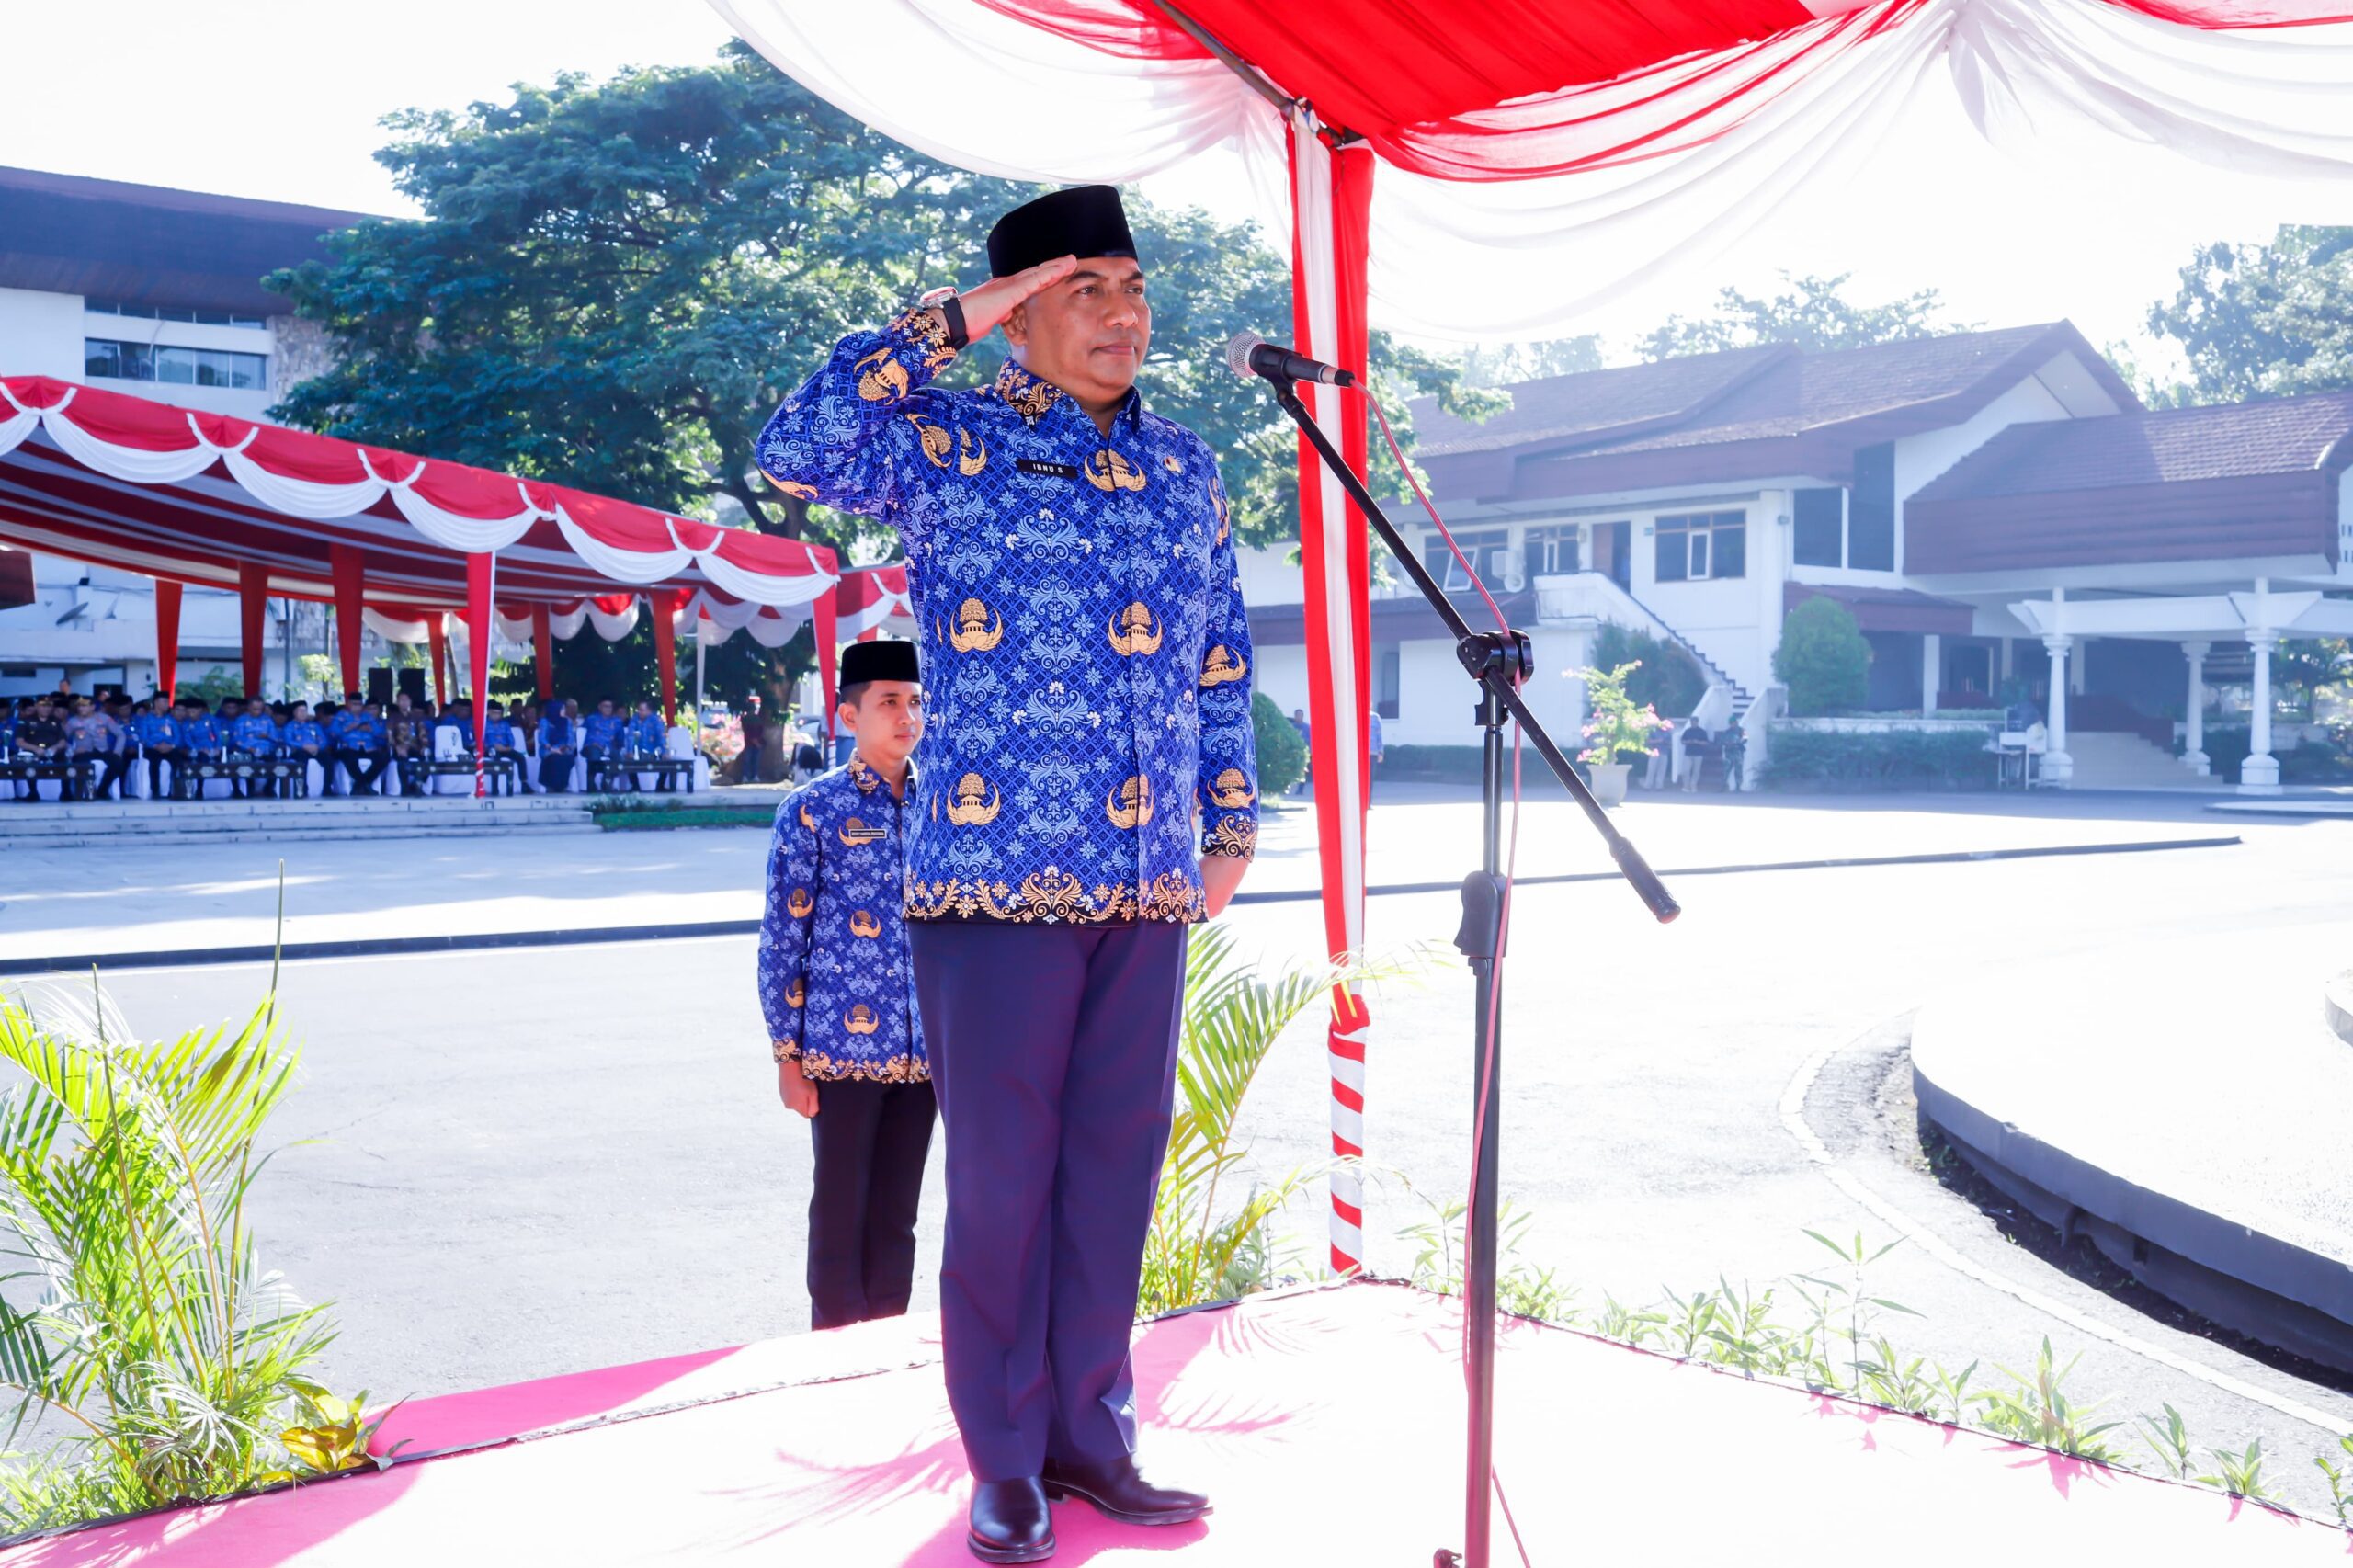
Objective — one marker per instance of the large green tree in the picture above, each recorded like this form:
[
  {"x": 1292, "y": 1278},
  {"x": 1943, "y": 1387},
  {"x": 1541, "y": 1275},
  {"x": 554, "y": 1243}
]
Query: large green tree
[
  {"x": 1811, "y": 311},
  {"x": 2263, "y": 321}
]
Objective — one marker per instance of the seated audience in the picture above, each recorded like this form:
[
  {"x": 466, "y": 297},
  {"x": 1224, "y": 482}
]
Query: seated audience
[
  {"x": 559, "y": 747},
  {"x": 357, "y": 741},
  {"x": 96, "y": 743}
]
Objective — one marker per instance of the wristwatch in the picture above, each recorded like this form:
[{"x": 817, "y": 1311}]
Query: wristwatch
[{"x": 950, "y": 310}]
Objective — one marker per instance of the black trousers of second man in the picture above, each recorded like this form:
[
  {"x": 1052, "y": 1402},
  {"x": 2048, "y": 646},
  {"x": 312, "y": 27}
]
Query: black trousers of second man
[{"x": 870, "y": 1141}]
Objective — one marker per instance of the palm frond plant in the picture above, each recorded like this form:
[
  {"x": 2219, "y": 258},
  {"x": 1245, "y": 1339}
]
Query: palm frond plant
[
  {"x": 135, "y": 1310},
  {"x": 1205, "y": 1244}
]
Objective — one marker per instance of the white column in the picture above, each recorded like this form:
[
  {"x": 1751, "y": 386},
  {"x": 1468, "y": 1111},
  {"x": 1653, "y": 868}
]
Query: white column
[
  {"x": 2193, "y": 754},
  {"x": 2058, "y": 767},
  {"x": 1932, "y": 660},
  {"x": 2260, "y": 773}
]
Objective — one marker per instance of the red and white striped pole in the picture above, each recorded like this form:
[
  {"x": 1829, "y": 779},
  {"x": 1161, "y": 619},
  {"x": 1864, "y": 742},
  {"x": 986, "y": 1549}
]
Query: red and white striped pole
[{"x": 1331, "y": 206}]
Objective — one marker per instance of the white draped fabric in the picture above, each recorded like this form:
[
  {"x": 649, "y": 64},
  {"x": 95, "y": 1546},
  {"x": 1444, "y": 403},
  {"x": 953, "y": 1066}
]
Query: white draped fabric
[{"x": 1453, "y": 259}]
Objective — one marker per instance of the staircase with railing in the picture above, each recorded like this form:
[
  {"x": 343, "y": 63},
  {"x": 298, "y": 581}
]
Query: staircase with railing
[{"x": 1600, "y": 598}]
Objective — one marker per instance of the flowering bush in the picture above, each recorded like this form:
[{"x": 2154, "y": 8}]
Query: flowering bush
[
  {"x": 722, "y": 739},
  {"x": 1617, "y": 726}
]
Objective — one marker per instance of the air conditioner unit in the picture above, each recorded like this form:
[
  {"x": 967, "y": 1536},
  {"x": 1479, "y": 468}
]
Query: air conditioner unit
[{"x": 1514, "y": 572}]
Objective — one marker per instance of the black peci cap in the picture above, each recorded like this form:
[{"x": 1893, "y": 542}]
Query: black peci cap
[
  {"x": 863, "y": 662},
  {"x": 1082, "y": 220}
]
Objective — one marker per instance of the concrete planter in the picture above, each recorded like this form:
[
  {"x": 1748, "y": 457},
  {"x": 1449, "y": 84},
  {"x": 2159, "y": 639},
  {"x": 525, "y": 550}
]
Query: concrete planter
[{"x": 1609, "y": 781}]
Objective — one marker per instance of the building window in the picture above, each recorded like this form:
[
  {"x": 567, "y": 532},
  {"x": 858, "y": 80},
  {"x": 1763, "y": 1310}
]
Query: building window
[
  {"x": 1820, "y": 525},
  {"x": 1385, "y": 684},
  {"x": 1487, "y": 550},
  {"x": 172, "y": 313},
  {"x": 181, "y": 366},
  {"x": 1697, "y": 546},
  {"x": 1871, "y": 512},
  {"x": 1551, "y": 551}
]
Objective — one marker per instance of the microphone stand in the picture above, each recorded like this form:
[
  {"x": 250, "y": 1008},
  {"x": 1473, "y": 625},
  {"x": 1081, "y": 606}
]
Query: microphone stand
[{"x": 1497, "y": 662}]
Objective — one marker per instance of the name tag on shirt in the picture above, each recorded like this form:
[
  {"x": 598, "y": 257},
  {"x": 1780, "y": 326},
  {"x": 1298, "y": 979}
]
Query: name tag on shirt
[{"x": 1052, "y": 469}]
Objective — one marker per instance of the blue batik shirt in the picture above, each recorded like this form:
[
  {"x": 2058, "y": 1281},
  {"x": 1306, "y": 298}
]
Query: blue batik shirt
[
  {"x": 155, "y": 729},
  {"x": 256, "y": 732},
  {"x": 355, "y": 731},
  {"x": 602, "y": 732},
  {"x": 304, "y": 732},
  {"x": 201, "y": 733},
  {"x": 646, "y": 736},
  {"x": 835, "y": 981},
  {"x": 1085, "y": 659},
  {"x": 499, "y": 734}
]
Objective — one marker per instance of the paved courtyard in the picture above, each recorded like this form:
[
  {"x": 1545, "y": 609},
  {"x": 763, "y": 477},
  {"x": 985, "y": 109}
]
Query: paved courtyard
[{"x": 535, "y": 1160}]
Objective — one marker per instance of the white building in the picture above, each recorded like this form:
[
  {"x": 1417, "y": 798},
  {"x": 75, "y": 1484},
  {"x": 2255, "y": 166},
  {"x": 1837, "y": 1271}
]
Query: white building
[
  {"x": 157, "y": 293},
  {"x": 1991, "y": 506}
]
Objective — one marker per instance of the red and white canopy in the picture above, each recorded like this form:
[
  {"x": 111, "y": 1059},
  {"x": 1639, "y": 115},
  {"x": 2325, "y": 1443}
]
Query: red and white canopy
[
  {"x": 1534, "y": 160},
  {"x": 121, "y": 481}
]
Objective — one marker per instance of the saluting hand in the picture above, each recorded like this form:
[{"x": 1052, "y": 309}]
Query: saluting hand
[
  {"x": 993, "y": 301},
  {"x": 800, "y": 1096}
]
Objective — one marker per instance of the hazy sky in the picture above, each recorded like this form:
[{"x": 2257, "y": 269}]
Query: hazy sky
[{"x": 280, "y": 98}]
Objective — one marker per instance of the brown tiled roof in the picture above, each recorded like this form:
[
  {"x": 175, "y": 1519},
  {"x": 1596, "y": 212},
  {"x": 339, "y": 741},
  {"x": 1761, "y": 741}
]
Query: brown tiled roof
[
  {"x": 2233, "y": 441},
  {"x": 1591, "y": 402},
  {"x": 1888, "y": 609},
  {"x": 1751, "y": 393}
]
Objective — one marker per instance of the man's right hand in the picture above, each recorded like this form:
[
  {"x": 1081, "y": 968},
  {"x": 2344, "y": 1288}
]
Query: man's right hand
[
  {"x": 993, "y": 301},
  {"x": 792, "y": 1087}
]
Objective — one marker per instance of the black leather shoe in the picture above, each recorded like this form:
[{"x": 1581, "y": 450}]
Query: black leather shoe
[
  {"x": 1010, "y": 1523},
  {"x": 1119, "y": 1491}
]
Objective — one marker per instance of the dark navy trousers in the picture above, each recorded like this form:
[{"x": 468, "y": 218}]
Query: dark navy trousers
[{"x": 1053, "y": 1050}]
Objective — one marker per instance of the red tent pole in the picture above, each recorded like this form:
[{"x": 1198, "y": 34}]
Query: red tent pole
[
  {"x": 436, "y": 645},
  {"x": 543, "y": 653},
  {"x": 350, "y": 601},
  {"x": 253, "y": 599},
  {"x": 825, "y": 620},
  {"x": 482, "y": 571},
  {"x": 168, "y": 636},
  {"x": 666, "y": 648}
]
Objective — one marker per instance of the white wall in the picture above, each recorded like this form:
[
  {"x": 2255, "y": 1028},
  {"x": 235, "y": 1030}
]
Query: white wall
[
  {"x": 40, "y": 334},
  {"x": 1919, "y": 458},
  {"x": 1268, "y": 578}
]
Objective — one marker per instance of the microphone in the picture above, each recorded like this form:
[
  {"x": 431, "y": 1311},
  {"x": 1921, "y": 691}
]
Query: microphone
[{"x": 1251, "y": 355}]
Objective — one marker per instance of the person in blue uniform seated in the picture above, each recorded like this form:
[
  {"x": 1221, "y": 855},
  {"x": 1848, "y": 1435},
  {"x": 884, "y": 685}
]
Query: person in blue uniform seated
[
  {"x": 835, "y": 988},
  {"x": 1086, "y": 677},
  {"x": 201, "y": 734},
  {"x": 305, "y": 739},
  {"x": 601, "y": 733},
  {"x": 252, "y": 732},
  {"x": 645, "y": 735},
  {"x": 499, "y": 739},
  {"x": 356, "y": 737},
  {"x": 158, "y": 740},
  {"x": 558, "y": 748}
]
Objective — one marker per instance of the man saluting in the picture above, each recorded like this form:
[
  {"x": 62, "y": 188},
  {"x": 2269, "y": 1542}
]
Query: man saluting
[{"x": 1086, "y": 666}]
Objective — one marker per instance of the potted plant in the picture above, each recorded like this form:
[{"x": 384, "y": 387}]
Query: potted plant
[{"x": 1616, "y": 728}]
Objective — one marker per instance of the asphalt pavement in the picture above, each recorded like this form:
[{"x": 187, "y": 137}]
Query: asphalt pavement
[{"x": 530, "y": 1161}]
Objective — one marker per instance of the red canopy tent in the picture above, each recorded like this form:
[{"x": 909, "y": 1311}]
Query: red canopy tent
[
  {"x": 1535, "y": 158},
  {"x": 192, "y": 497}
]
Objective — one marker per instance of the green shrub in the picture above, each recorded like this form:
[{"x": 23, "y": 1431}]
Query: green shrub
[
  {"x": 137, "y": 1311},
  {"x": 2307, "y": 762},
  {"x": 1667, "y": 682},
  {"x": 1822, "y": 659},
  {"x": 1879, "y": 759},
  {"x": 1282, "y": 756},
  {"x": 1447, "y": 764}
]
